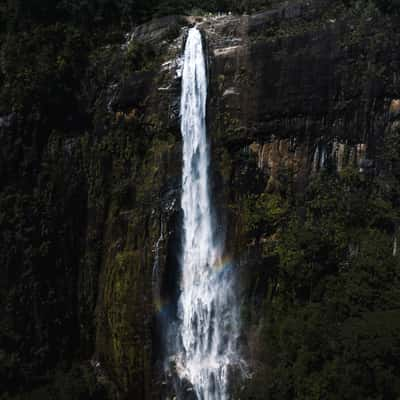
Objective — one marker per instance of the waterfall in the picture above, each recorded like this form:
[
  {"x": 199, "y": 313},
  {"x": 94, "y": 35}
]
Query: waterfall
[{"x": 208, "y": 319}]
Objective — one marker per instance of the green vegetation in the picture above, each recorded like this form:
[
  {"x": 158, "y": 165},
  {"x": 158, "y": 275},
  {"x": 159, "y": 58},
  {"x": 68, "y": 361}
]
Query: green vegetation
[
  {"x": 330, "y": 326},
  {"x": 81, "y": 181},
  {"x": 25, "y": 14},
  {"x": 100, "y": 13}
]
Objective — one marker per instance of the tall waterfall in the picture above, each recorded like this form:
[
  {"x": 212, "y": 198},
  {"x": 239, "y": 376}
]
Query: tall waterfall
[{"x": 208, "y": 331}]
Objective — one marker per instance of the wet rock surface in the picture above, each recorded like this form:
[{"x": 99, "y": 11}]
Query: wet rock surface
[{"x": 296, "y": 91}]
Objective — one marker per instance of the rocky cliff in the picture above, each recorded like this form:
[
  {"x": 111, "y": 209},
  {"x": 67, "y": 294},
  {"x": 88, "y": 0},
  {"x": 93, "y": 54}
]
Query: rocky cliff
[{"x": 303, "y": 123}]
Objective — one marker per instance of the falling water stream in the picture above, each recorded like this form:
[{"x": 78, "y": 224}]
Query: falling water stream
[{"x": 208, "y": 322}]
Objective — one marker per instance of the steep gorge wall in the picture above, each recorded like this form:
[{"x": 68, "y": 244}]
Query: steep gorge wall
[
  {"x": 305, "y": 140},
  {"x": 302, "y": 115},
  {"x": 83, "y": 205}
]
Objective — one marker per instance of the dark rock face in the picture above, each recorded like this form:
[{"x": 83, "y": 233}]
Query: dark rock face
[
  {"x": 89, "y": 259},
  {"x": 133, "y": 91},
  {"x": 7, "y": 120},
  {"x": 83, "y": 211},
  {"x": 279, "y": 77},
  {"x": 297, "y": 92},
  {"x": 138, "y": 234}
]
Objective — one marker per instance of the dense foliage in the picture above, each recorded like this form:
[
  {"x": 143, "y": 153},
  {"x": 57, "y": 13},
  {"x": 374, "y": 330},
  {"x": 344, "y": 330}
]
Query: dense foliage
[
  {"x": 330, "y": 311},
  {"x": 331, "y": 329},
  {"x": 20, "y": 15},
  {"x": 100, "y": 12}
]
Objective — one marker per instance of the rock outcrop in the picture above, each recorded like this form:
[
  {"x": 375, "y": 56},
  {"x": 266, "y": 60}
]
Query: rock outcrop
[{"x": 298, "y": 91}]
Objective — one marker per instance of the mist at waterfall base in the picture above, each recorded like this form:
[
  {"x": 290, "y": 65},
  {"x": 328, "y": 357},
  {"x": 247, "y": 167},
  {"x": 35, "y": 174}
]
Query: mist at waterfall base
[{"x": 202, "y": 342}]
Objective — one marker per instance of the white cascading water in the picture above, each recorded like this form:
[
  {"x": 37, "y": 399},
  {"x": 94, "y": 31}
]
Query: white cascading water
[{"x": 207, "y": 312}]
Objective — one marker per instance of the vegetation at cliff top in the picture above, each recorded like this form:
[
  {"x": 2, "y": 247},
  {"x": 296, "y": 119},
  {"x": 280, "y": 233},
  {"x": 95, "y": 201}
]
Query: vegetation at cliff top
[{"x": 20, "y": 14}]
